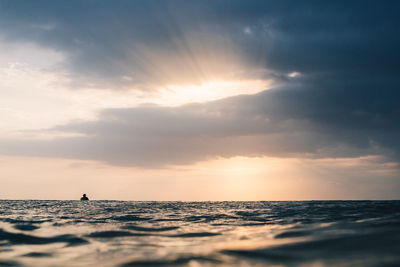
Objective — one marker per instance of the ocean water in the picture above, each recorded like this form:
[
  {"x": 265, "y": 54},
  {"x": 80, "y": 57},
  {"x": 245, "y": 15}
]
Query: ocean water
[{"x": 117, "y": 233}]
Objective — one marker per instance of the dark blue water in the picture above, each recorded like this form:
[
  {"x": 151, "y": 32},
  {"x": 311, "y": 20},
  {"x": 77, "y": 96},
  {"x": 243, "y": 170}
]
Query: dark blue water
[{"x": 113, "y": 233}]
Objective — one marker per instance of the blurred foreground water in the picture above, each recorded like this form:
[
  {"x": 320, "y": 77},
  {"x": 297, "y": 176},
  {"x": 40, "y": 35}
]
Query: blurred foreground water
[{"x": 116, "y": 233}]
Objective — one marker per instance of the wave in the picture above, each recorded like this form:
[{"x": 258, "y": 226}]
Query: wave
[
  {"x": 213, "y": 234},
  {"x": 149, "y": 229},
  {"x": 20, "y": 239},
  {"x": 37, "y": 254},
  {"x": 129, "y": 218},
  {"x": 370, "y": 249},
  {"x": 183, "y": 260},
  {"x": 202, "y": 234},
  {"x": 26, "y": 227},
  {"x": 113, "y": 234}
]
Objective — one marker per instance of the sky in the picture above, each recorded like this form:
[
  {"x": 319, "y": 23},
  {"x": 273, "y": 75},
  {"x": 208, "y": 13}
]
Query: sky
[{"x": 199, "y": 100}]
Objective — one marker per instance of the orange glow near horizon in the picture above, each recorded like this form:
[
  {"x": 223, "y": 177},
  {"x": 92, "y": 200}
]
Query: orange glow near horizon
[{"x": 237, "y": 178}]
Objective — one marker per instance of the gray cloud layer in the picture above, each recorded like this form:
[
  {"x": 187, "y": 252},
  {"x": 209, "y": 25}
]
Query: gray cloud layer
[
  {"x": 257, "y": 125},
  {"x": 344, "y": 104}
]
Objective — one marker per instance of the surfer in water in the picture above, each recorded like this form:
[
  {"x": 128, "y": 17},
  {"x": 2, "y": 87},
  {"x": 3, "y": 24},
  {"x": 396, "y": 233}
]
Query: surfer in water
[{"x": 84, "y": 197}]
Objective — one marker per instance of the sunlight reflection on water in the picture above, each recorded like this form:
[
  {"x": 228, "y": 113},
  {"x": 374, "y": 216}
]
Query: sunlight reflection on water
[{"x": 114, "y": 233}]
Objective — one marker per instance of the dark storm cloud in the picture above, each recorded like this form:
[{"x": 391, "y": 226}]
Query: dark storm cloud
[
  {"x": 105, "y": 41},
  {"x": 345, "y": 103}
]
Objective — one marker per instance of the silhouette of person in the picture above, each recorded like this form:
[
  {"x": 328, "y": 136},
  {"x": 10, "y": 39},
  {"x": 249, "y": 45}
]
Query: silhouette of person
[{"x": 84, "y": 197}]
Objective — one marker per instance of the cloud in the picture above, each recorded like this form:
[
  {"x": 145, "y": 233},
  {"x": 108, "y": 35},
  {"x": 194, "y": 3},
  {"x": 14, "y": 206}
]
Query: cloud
[
  {"x": 254, "y": 125},
  {"x": 344, "y": 103},
  {"x": 145, "y": 44}
]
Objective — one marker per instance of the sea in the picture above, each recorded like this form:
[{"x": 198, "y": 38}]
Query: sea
[{"x": 265, "y": 233}]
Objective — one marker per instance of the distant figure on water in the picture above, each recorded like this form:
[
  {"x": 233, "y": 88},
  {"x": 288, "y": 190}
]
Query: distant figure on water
[{"x": 84, "y": 197}]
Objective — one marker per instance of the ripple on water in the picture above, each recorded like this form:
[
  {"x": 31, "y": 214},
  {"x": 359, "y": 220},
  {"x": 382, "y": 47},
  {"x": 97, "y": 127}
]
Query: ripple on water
[
  {"x": 291, "y": 234},
  {"x": 24, "y": 239},
  {"x": 113, "y": 234},
  {"x": 130, "y": 218},
  {"x": 181, "y": 261},
  {"x": 26, "y": 227},
  {"x": 201, "y": 234},
  {"x": 9, "y": 263},
  {"x": 37, "y": 254},
  {"x": 213, "y": 234},
  {"x": 149, "y": 229},
  {"x": 365, "y": 248}
]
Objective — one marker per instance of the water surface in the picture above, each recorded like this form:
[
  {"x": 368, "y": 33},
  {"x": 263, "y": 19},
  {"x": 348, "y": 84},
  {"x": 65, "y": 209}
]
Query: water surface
[{"x": 117, "y": 233}]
